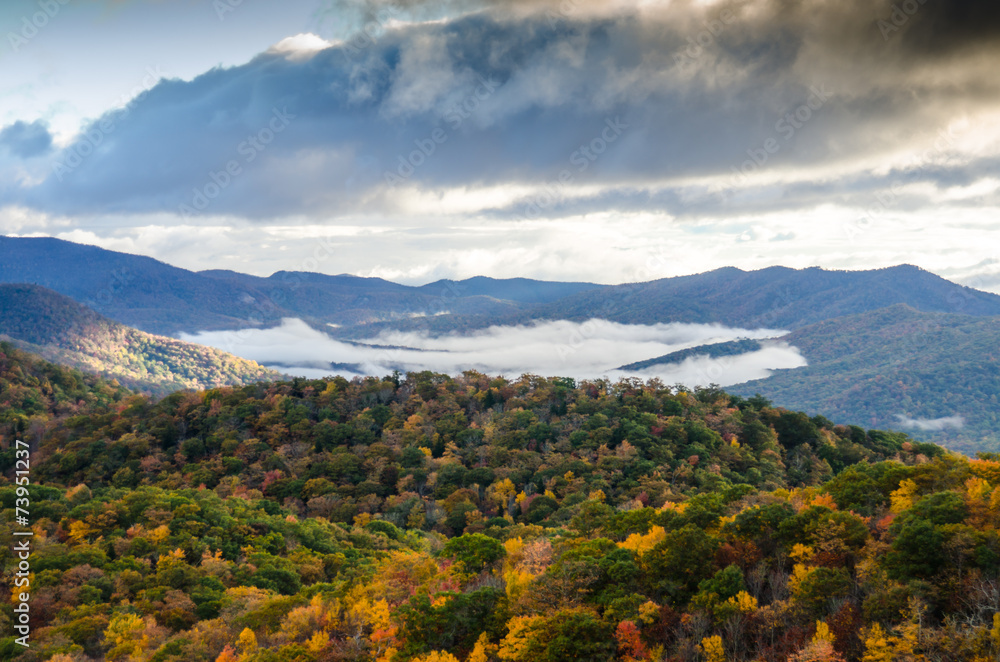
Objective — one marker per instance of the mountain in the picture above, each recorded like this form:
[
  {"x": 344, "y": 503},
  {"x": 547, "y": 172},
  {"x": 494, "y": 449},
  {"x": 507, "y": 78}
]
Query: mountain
[
  {"x": 156, "y": 297},
  {"x": 351, "y": 300},
  {"x": 935, "y": 375},
  {"x": 59, "y": 329},
  {"x": 714, "y": 350},
  {"x": 867, "y": 365},
  {"x": 524, "y": 290},
  {"x": 159, "y": 298},
  {"x": 132, "y": 289},
  {"x": 776, "y": 298}
]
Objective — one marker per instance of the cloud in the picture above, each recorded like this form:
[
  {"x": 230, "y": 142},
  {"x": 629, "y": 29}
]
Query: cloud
[
  {"x": 301, "y": 46},
  {"x": 581, "y": 350},
  {"x": 507, "y": 97},
  {"x": 26, "y": 140},
  {"x": 931, "y": 424},
  {"x": 703, "y": 370}
]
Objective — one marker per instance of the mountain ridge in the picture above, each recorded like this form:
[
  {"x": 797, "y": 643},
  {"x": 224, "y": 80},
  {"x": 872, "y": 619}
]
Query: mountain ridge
[
  {"x": 61, "y": 330},
  {"x": 775, "y": 297},
  {"x": 156, "y": 297}
]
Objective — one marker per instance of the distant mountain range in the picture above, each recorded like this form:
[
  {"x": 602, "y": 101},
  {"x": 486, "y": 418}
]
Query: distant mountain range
[
  {"x": 776, "y": 298},
  {"x": 158, "y": 298},
  {"x": 893, "y": 348},
  {"x": 61, "y": 330}
]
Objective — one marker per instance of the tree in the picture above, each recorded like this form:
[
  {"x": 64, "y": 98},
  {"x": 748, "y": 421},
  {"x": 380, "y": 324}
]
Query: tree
[
  {"x": 578, "y": 635},
  {"x": 630, "y": 645},
  {"x": 124, "y": 633},
  {"x": 712, "y": 650},
  {"x": 474, "y": 552},
  {"x": 916, "y": 549},
  {"x": 681, "y": 561},
  {"x": 452, "y": 621}
]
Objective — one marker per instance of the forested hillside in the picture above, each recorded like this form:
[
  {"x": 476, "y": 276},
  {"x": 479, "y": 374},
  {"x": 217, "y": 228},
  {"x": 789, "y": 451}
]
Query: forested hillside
[
  {"x": 886, "y": 367},
  {"x": 476, "y": 518},
  {"x": 715, "y": 350},
  {"x": 34, "y": 393},
  {"x": 61, "y": 330}
]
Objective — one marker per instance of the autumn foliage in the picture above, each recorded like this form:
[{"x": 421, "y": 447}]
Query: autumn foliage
[{"x": 477, "y": 519}]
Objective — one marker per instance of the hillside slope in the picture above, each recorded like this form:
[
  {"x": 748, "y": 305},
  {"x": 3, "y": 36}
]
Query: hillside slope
[
  {"x": 59, "y": 329},
  {"x": 32, "y": 387},
  {"x": 448, "y": 519},
  {"x": 713, "y": 350},
  {"x": 898, "y": 368}
]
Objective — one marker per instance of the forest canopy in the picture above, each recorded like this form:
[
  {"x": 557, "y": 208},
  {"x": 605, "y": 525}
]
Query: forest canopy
[{"x": 477, "y": 518}]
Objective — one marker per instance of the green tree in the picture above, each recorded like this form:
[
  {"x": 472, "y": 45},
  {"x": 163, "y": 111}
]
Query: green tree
[{"x": 474, "y": 552}]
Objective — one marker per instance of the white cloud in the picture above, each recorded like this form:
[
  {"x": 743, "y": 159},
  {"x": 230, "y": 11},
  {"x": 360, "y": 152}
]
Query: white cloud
[
  {"x": 931, "y": 424},
  {"x": 561, "y": 348},
  {"x": 597, "y": 248},
  {"x": 300, "y": 46}
]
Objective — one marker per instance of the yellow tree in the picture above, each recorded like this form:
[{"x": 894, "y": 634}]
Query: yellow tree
[
  {"x": 483, "y": 649},
  {"x": 878, "y": 647},
  {"x": 246, "y": 644},
  {"x": 904, "y": 497},
  {"x": 124, "y": 633},
  {"x": 436, "y": 656},
  {"x": 712, "y": 649},
  {"x": 520, "y": 633}
]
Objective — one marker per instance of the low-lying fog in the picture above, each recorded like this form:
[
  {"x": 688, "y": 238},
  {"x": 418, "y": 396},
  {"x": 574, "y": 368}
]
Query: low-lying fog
[{"x": 565, "y": 349}]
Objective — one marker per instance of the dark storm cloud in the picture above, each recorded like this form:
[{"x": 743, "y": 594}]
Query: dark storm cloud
[
  {"x": 941, "y": 26},
  {"x": 26, "y": 140},
  {"x": 523, "y": 93}
]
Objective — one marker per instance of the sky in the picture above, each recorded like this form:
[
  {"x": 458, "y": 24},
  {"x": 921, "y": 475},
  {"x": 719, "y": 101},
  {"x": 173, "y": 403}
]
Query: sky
[{"x": 608, "y": 142}]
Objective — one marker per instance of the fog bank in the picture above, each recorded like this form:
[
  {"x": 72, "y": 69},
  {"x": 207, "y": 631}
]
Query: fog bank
[{"x": 568, "y": 349}]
